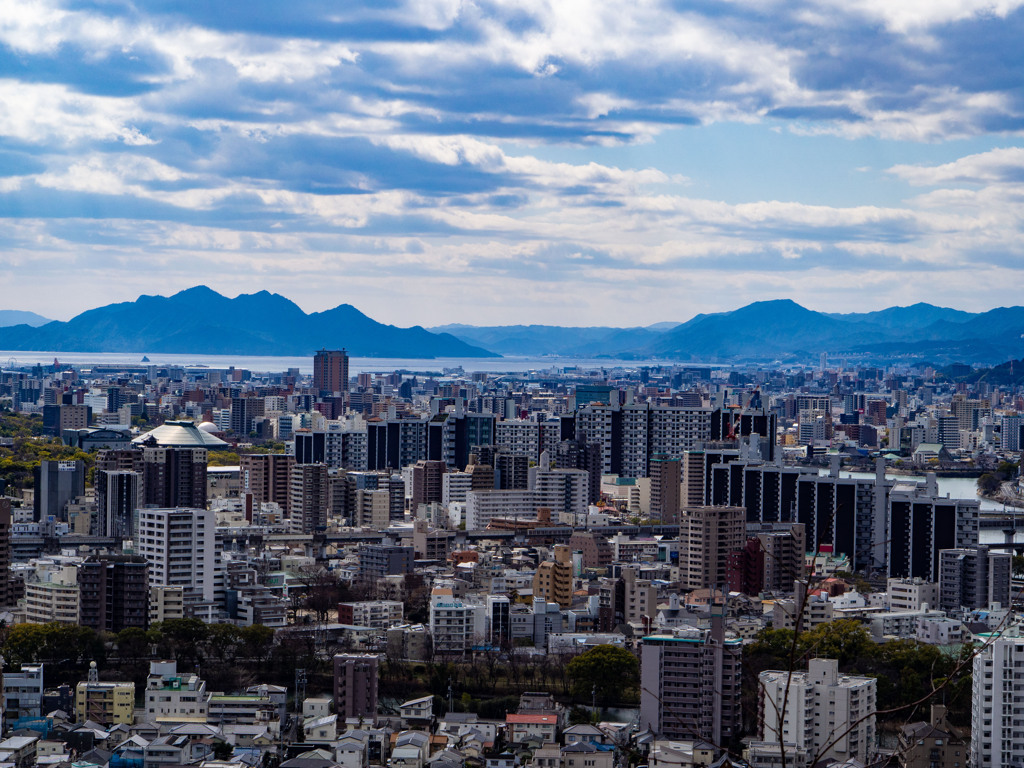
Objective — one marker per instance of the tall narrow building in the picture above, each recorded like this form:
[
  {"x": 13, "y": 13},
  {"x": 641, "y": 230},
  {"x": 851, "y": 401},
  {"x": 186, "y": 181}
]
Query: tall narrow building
[{"x": 330, "y": 372}]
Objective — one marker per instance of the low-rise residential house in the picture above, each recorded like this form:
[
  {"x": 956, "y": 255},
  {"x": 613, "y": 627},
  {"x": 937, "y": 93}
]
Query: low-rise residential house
[
  {"x": 584, "y": 755},
  {"x": 417, "y": 712},
  {"x": 522, "y": 727},
  {"x": 323, "y": 728}
]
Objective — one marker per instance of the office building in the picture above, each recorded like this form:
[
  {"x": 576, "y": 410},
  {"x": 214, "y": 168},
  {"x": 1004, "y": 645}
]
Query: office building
[
  {"x": 355, "y": 686},
  {"x": 378, "y": 560},
  {"x": 690, "y": 684},
  {"x": 118, "y": 494},
  {"x": 330, "y": 372},
  {"x": 57, "y": 483},
  {"x": 818, "y": 713}
]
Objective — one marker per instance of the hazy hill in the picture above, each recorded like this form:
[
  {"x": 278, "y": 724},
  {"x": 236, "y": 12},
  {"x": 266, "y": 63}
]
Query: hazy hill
[
  {"x": 20, "y": 317},
  {"x": 201, "y": 321}
]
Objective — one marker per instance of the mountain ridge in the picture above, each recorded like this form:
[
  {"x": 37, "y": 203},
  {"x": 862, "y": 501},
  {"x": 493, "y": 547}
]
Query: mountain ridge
[{"x": 199, "y": 320}]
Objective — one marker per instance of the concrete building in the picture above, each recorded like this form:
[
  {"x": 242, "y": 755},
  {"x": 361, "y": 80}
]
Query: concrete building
[
  {"x": 553, "y": 579},
  {"x": 57, "y": 483},
  {"x": 174, "y": 698},
  {"x": 931, "y": 744},
  {"x": 114, "y": 592},
  {"x": 997, "y": 723},
  {"x": 426, "y": 482},
  {"x": 973, "y": 579},
  {"x": 378, "y": 560},
  {"x": 118, "y": 494},
  {"x": 826, "y": 714},
  {"x": 912, "y": 594},
  {"x": 182, "y": 549},
  {"x": 105, "y": 703},
  {"x": 52, "y": 595},
  {"x": 174, "y": 476},
  {"x": 308, "y": 497},
  {"x": 456, "y": 624},
  {"x": 23, "y": 692},
  {"x": 330, "y": 372},
  {"x": 266, "y": 477},
  {"x": 690, "y": 684},
  {"x": 666, "y": 489},
  {"x": 707, "y": 537},
  {"x": 355, "y": 686}
]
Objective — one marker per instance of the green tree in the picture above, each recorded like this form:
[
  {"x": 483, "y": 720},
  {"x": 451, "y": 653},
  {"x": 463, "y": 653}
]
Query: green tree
[
  {"x": 608, "y": 670},
  {"x": 132, "y": 644},
  {"x": 257, "y": 641}
]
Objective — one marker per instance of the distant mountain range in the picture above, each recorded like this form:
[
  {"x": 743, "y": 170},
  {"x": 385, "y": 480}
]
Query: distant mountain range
[
  {"x": 201, "y": 321},
  {"x": 781, "y": 330},
  {"x": 20, "y": 317}
]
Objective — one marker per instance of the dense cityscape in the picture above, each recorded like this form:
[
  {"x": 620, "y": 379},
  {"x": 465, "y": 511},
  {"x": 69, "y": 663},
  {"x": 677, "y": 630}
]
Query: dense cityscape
[{"x": 667, "y": 565}]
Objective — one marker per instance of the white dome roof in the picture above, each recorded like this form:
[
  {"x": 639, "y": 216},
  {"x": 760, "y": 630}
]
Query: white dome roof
[{"x": 208, "y": 426}]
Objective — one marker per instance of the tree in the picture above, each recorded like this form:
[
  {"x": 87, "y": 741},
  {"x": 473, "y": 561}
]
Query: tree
[
  {"x": 257, "y": 641},
  {"x": 608, "y": 670}
]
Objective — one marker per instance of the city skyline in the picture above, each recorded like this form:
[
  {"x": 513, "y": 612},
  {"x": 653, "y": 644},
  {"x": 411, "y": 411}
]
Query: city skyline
[{"x": 588, "y": 164}]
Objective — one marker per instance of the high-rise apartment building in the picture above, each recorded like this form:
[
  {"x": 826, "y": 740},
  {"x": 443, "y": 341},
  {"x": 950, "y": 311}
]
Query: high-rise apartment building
[
  {"x": 6, "y": 593},
  {"x": 666, "y": 487},
  {"x": 114, "y": 593},
  {"x": 355, "y": 686},
  {"x": 182, "y": 549},
  {"x": 817, "y": 714},
  {"x": 427, "y": 482},
  {"x": 330, "y": 371},
  {"x": 997, "y": 722},
  {"x": 174, "y": 476},
  {"x": 309, "y": 497},
  {"x": 974, "y": 578},
  {"x": 690, "y": 684},
  {"x": 266, "y": 477},
  {"x": 707, "y": 538},
  {"x": 553, "y": 579}
]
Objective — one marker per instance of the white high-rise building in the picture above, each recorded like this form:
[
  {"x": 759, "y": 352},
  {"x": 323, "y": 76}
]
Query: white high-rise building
[
  {"x": 997, "y": 723},
  {"x": 564, "y": 491},
  {"x": 182, "y": 549},
  {"x": 824, "y": 715}
]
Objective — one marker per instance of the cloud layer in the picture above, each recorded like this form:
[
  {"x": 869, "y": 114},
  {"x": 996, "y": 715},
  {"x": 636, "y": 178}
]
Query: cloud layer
[{"x": 433, "y": 160}]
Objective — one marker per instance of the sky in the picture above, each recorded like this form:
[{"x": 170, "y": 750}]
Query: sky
[{"x": 528, "y": 161}]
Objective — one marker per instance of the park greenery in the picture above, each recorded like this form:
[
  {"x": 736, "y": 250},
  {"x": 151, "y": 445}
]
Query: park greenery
[{"x": 910, "y": 674}]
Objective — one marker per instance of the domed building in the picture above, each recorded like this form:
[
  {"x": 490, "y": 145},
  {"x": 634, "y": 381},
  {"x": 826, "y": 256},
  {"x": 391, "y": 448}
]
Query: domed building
[{"x": 182, "y": 434}]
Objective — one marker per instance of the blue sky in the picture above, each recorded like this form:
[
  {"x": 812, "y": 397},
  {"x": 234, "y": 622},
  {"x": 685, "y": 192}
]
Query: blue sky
[{"x": 496, "y": 162}]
